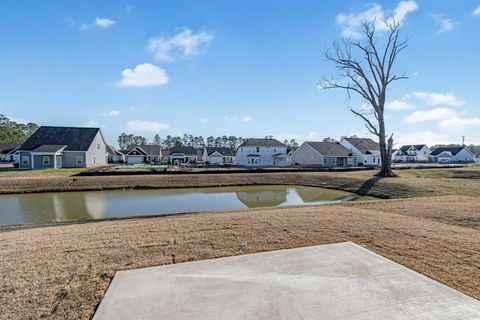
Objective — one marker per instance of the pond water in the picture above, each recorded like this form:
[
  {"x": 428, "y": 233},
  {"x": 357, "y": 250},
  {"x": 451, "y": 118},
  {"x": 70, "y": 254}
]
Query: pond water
[{"x": 74, "y": 206}]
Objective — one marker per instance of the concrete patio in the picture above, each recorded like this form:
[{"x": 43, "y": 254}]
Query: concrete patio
[{"x": 336, "y": 281}]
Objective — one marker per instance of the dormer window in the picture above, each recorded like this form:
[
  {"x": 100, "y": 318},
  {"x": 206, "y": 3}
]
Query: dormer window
[{"x": 258, "y": 149}]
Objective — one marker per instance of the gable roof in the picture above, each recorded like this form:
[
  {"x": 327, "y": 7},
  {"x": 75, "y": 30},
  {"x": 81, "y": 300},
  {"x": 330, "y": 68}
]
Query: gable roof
[
  {"x": 224, "y": 151},
  {"x": 75, "y": 139},
  {"x": 265, "y": 142},
  {"x": 6, "y": 148},
  {"x": 364, "y": 145},
  {"x": 330, "y": 149},
  {"x": 110, "y": 150},
  {"x": 453, "y": 150},
  {"x": 188, "y": 151},
  {"x": 149, "y": 149},
  {"x": 50, "y": 148},
  {"x": 405, "y": 148}
]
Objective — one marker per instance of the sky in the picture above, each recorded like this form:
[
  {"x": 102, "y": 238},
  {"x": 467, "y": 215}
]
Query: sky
[{"x": 245, "y": 68}]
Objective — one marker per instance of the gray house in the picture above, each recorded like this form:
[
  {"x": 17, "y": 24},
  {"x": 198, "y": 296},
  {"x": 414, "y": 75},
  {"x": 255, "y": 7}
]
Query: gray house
[
  {"x": 63, "y": 147},
  {"x": 323, "y": 154}
]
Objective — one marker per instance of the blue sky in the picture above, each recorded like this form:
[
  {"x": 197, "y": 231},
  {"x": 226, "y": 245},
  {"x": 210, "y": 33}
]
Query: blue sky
[{"x": 245, "y": 68}]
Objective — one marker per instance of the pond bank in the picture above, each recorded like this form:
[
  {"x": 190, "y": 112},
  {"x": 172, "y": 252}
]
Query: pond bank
[{"x": 72, "y": 265}]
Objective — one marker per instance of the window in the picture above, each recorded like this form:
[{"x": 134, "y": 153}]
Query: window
[
  {"x": 98, "y": 146},
  {"x": 79, "y": 160},
  {"x": 25, "y": 159},
  {"x": 258, "y": 149},
  {"x": 334, "y": 160},
  {"x": 46, "y": 160},
  {"x": 325, "y": 160},
  {"x": 373, "y": 160}
]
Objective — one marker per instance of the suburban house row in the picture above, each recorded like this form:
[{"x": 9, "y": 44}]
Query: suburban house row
[{"x": 71, "y": 147}]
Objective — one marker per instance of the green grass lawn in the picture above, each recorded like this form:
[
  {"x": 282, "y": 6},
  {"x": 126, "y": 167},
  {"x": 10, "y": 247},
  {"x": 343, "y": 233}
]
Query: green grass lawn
[{"x": 144, "y": 166}]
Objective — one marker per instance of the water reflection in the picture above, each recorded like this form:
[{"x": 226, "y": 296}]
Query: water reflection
[{"x": 73, "y": 206}]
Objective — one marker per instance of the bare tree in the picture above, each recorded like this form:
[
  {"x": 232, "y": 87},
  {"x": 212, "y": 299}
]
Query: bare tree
[{"x": 366, "y": 67}]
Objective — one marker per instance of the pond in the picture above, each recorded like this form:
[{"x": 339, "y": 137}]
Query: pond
[{"x": 37, "y": 208}]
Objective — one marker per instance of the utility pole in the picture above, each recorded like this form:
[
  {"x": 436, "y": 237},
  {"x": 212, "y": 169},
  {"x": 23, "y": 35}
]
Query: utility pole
[{"x": 463, "y": 141}]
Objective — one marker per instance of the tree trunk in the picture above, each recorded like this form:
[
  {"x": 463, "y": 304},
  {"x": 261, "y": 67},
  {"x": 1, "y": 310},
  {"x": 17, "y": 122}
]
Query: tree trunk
[{"x": 385, "y": 149}]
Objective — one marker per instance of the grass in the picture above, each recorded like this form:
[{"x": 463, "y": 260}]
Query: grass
[
  {"x": 39, "y": 173},
  {"x": 62, "y": 272},
  {"x": 144, "y": 166}
]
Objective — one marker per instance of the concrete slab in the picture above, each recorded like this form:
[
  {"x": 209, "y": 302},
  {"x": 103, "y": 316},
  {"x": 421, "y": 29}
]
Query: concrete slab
[{"x": 338, "y": 281}]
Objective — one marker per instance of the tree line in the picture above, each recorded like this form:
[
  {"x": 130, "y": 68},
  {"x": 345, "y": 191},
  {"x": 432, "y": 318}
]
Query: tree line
[
  {"x": 14, "y": 132},
  {"x": 188, "y": 140}
]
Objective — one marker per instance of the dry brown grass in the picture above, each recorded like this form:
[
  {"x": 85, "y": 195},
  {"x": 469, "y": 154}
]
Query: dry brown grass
[
  {"x": 63, "y": 271},
  {"x": 410, "y": 183}
]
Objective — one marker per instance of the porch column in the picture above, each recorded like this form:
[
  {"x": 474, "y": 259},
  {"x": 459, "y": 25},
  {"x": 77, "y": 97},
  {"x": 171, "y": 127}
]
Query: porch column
[
  {"x": 54, "y": 160},
  {"x": 33, "y": 163}
]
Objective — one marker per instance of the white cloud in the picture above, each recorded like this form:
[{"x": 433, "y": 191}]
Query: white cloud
[
  {"x": 99, "y": 23},
  {"x": 143, "y": 75},
  {"x": 235, "y": 118},
  {"x": 427, "y": 137},
  {"x": 435, "y": 98},
  {"x": 94, "y": 124},
  {"x": 203, "y": 120},
  {"x": 183, "y": 44},
  {"x": 397, "y": 105},
  {"x": 146, "y": 126},
  {"x": 458, "y": 123},
  {"x": 476, "y": 12},
  {"x": 444, "y": 24},
  {"x": 312, "y": 134},
  {"x": 351, "y": 24},
  {"x": 111, "y": 113},
  {"x": 431, "y": 115},
  {"x": 104, "y": 22}
]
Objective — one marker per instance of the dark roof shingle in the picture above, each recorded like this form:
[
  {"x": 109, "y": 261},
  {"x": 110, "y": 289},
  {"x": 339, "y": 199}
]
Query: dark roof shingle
[
  {"x": 149, "y": 149},
  {"x": 8, "y": 147},
  {"x": 363, "y": 144},
  {"x": 453, "y": 150},
  {"x": 224, "y": 151},
  {"x": 188, "y": 151},
  {"x": 330, "y": 149},
  {"x": 265, "y": 142},
  {"x": 76, "y": 139}
]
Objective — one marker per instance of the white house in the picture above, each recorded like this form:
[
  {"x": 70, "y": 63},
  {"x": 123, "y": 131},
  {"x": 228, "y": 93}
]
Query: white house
[
  {"x": 452, "y": 154},
  {"x": 114, "y": 155},
  {"x": 367, "y": 150},
  {"x": 412, "y": 153},
  {"x": 218, "y": 155},
  {"x": 262, "y": 153},
  {"x": 179, "y": 155},
  {"x": 323, "y": 154},
  {"x": 9, "y": 153},
  {"x": 144, "y": 153}
]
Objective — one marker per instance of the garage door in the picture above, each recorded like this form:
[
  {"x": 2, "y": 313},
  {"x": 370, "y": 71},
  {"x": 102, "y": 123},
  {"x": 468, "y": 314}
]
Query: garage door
[{"x": 133, "y": 160}]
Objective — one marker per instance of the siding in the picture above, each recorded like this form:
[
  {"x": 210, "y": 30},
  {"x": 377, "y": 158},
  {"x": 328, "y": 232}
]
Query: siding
[
  {"x": 265, "y": 154},
  {"x": 38, "y": 161},
  {"x": 29, "y": 165},
  {"x": 96, "y": 155},
  {"x": 463, "y": 156},
  {"x": 70, "y": 159},
  {"x": 305, "y": 155}
]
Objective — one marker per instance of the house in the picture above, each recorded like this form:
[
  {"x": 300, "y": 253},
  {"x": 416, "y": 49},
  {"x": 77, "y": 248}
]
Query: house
[
  {"x": 452, "y": 154},
  {"x": 114, "y": 155},
  {"x": 412, "y": 153},
  {"x": 218, "y": 155},
  {"x": 323, "y": 154},
  {"x": 367, "y": 150},
  {"x": 143, "y": 153},
  {"x": 262, "y": 152},
  {"x": 179, "y": 155},
  {"x": 8, "y": 152},
  {"x": 63, "y": 147}
]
